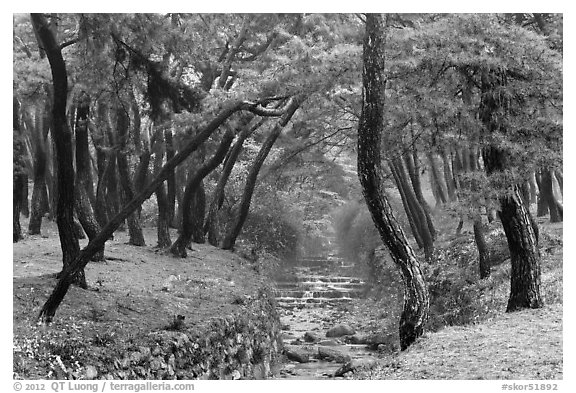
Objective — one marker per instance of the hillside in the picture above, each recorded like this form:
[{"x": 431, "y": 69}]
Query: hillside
[
  {"x": 137, "y": 292},
  {"x": 521, "y": 345}
]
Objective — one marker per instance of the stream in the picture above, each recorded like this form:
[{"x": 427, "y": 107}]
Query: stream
[{"x": 313, "y": 295}]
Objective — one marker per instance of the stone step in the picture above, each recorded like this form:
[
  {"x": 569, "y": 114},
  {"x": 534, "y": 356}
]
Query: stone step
[
  {"x": 318, "y": 286},
  {"x": 317, "y": 294}
]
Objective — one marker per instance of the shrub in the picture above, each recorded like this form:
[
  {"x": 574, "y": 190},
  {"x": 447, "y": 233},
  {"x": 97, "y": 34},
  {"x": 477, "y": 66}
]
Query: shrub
[{"x": 269, "y": 231}]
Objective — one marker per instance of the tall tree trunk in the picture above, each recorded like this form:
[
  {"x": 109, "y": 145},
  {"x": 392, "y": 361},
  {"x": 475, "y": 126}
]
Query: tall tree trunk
[
  {"x": 533, "y": 188},
  {"x": 559, "y": 179},
  {"x": 189, "y": 226},
  {"x": 113, "y": 203},
  {"x": 63, "y": 141},
  {"x": 542, "y": 203},
  {"x": 448, "y": 175},
  {"x": 554, "y": 206},
  {"x": 240, "y": 217},
  {"x": 482, "y": 246},
  {"x": 524, "y": 253},
  {"x": 77, "y": 266},
  {"x": 136, "y": 237},
  {"x": 198, "y": 212},
  {"x": 416, "y": 301},
  {"x": 516, "y": 219},
  {"x": 211, "y": 225},
  {"x": 25, "y": 209},
  {"x": 18, "y": 169},
  {"x": 51, "y": 180},
  {"x": 39, "y": 204},
  {"x": 410, "y": 214},
  {"x": 162, "y": 223},
  {"x": 82, "y": 205},
  {"x": 171, "y": 181},
  {"x": 438, "y": 183},
  {"x": 414, "y": 173},
  {"x": 141, "y": 173},
  {"x": 101, "y": 208}
]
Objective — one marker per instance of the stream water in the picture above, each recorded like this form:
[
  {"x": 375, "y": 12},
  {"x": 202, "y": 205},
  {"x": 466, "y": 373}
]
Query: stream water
[{"x": 313, "y": 295}]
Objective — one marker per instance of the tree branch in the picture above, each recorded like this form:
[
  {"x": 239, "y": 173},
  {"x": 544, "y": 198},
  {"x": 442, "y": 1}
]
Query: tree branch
[{"x": 68, "y": 43}]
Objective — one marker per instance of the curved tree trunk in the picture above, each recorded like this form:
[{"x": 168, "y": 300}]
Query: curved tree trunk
[
  {"x": 63, "y": 141},
  {"x": 416, "y": 301},
  {"x": 516, "y": 219},
  {"x": 77, "y": 266},
  {"x": 240, "y": 217},
  {"x": 524, "y": 253},
  {"x": 211, "y": 225},
  {"x": 189, "y": 226}
]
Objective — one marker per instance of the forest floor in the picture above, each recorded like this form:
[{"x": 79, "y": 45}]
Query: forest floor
[
  {"x": 526, "y": 344},
  {"x": 137, "y": 290}
]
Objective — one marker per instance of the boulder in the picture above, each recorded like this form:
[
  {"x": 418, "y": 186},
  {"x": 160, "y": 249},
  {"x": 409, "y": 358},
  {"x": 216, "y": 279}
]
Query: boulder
[
  {"x": 340, "y": 330},
  {"x": 381, "y": 340},
  {"x": 354, "y": 365},
  {"x": 311, "y": 337},
  {"x": 297, "y": 354},
  {"x": 332, "y": 355},
  {"x": 355, "y": 339}
]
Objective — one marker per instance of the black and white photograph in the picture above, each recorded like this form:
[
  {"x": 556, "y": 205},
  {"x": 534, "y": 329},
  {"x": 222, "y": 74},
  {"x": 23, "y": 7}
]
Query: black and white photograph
[{"x": 318, "y": 197}]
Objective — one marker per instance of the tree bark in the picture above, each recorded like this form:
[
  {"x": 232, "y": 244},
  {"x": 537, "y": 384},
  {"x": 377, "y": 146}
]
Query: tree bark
[
  {"x": 416, "y": 301},
  {"x": 410, "y": 214},
  {"x": 559, "y": 179},
  {"x": 240, "y": 217},
  {"x": 63, "y": 141},
  {"x": 212, "y": 225},
  {"x": 482, "y": 246},
  {"x": 39, "y": 204},
  {"x": 135, "y": 235},
  {"x": 70, "y": 271},
  {"x": 524, "y": 253},
  {"x": 414, "y": 173},
  {"x": 171, "y": 181},
  {"x": 554, "y": 206},
  {"x": 437, "y": 181},
  {"x": 18, "y": 171},
  {"x": 448, "y": 175},
  {"x": 518, "y": 224},
  {"x": 189, "y": 227},
  {"x": 82, "y": 205},
  {"x": 198, "y": 209},
  {"x": 542, "y": 203},
  {"x": 162, "y": 223},
  {"x": 24, "y": 203}
]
